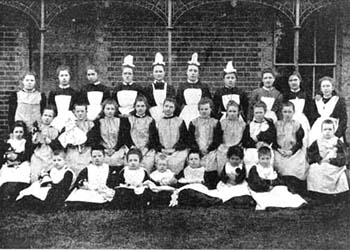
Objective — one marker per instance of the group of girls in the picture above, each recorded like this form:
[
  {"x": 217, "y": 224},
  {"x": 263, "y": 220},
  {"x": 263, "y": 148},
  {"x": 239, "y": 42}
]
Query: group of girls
[{"x": 139, "y": 146}]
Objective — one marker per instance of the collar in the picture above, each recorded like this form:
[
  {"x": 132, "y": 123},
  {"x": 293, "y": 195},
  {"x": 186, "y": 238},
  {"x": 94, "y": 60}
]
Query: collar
[
  {"x": 96, "y": 83},
  {"x": 295, "y": 91},
  {"x": 157, "y": 82},
  {"x": 64, "y": 87},
  {"x": 255, "y": 121},
  {"x": 128, "y": 84},
  {"x": 267, "y": 88},
  {"x": 139, "y": 116},
  {"x": 29, "y": 91},
  {"x": 190, "y": 82},
  {"x": 168, "y": 117}
]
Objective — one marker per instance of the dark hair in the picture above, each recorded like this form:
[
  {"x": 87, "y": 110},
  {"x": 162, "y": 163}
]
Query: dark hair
[
  {"x": 327, "y": 121},
  {"x": 60, "y": 152},
  {"x": 134, "y": 151},
  {"x": 79, "y": 104},
  {"x": 105, "y": 103},
  {"x": 92, "y": 67},
  {"x": 268, "y": 71},
  {"x": 235, "y": 151},
  {"x": 288, "y": 104},
  {"x": 206, "y": 100},
  {"x": 28, "y": 73},
  {"x": 195, "y": 151},
  {"x": 98, "y": 148},
  {"x": 264, "y": 151},
  {"x": 260, "y": 104},
  {"x": 232, "y": 103},
  {"x": 327, "y": 78},
  {"x": 20, "y": 124},
  {"x": 141, "y": 98},
  {"x": 50, "y": 107},
  {"x": 224, "y": 74},
  {"x": 170, "y": 99},
  {"x": 297, "y": 74},
  {"x": 62, "y": 68}
]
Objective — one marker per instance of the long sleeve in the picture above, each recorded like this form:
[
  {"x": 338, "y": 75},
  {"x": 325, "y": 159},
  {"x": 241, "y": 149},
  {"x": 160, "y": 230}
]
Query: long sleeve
[
  {"x": 112, "y": 178},
  {"x": 268, "y": 136},
  {"x": 340, "y": 160},
  {"x": 241, "y": 175},
  {"x": 341, "y": 114},
  {"x": 191, "y": 137},
  {"x": 245, "y": 105},
  {"x": 211, "y": 179},
  {"x": 299, "y": 140},
  {"x": 313, "y": 153},
  {"x": 247, "y": 140},
  {"x": 181, "y": 144},
  {"x": 124, "y": 137},
  {"x": 43, "y": 102},
  {"x": 256, "y": 183},
  {"x": 120, "y": 178},
  {"x": 277, "y": 105},
  {"x": 217, "y": 138},
  {"x": 65, "y": 183},
  {"x": 51, "y": 99},
  {"x": 153, "y": 142},
  {"x": 82, "y": 177},
  {"x": 12, "y": 109},
  {"x": 217, "y": 103}
]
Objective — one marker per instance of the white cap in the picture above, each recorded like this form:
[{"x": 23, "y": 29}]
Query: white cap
[
  {"x": 229, "y": 68},
  {"x": 129, "y": 61},
  {"x": 194, "y": 60},
  {"x": 159, "y": 60}
]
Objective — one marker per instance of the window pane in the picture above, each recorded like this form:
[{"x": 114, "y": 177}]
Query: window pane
[
  {"x": 284, "y": 40},
  {"x": 308, "y": 79},
  {"x": 325, "y": 39},
  {"x": 306, "y": 44}
]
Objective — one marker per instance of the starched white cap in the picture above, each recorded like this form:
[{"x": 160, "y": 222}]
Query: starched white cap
[
  {"x": 159, "y": 60},
  {"x": 194, "y": 60},
  {"x": 128, "y": 61},
  {"x": 229, "y": 68}
]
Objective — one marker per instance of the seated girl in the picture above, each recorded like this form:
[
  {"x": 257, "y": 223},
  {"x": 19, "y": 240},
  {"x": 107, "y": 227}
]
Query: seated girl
[
  {"x": 290, "y": 158},
  {"x": 112, "y": 133},
  {"x": 327, "y": 178},
  {"x": 15, "y": 171},
  {"x": 232, "y": 132},
  {"x": 205, "y": 134},
  {"x": 52, "y": 188},
  {"x": 172, "y": 133},
  {"x": 143, "y": 132},
  {"x": 74, "y": 139},
  {"x": 164, "y": 180},
  {"x": 267, "y": 188},
  {"x": 132, "y": 187},
  {"x": 93, "y": 188},
  {"x": 232, "y": 188},
  {"x": 44, "y": 140},
  {"x": 259, "y": 132},
  {"x": 196, "y": 184}
]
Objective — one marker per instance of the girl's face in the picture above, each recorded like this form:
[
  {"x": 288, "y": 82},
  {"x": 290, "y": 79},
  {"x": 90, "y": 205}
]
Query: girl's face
[
  {"x": 134, "y": 161},
  {"x": 259, "y": 114},
  {"x": 18, "y": 133},
  {"x": 64, "y": 77},
  {"x": 192, "y": 73},
  {"x": 194, "y": 160},
  {"x": 230, "y": 80},
  {"x": 268, "y": 79},
  {"x": 234, "y": 160},
  {"x": 205, "y": 110},
  {"x": 327, "y": 88},
  {"x": 232, "y": 112},
  {"x": 168, "y": 109},
  {"x": 158, "y": 72},
  {"x": 328, "y": 131},
  {"x": 287, "y": 113},
  {"x": 80, "y": 112},
  {"x": 109, "y": 110},
  {"x": 47, "y": 116},
  {"x": 127, "y": 75},
  {"x": 140, "y": 108},
  {"x": 162, "y": 165},
  {"x": 294, "y": 82},
  {"x": 58, "y": 161},
  {"x": 92, "y": 76},
  {"x": 29, "y": 82},
  {"x": 97, "y": 157},
  {"x": 265, "y": 160}
]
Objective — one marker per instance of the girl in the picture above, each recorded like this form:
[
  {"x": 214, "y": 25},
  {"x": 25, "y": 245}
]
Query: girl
[
  {"x": 290, "y": 158},
  {"x": 112, "y": 133},
  {"x": 327, "y": 178},
  {"x": 259, "y": 132},
  {"x": 196, "y": 184},
  {"x": 93, "y": 93},
  {"x": 45, "y": 141},
  {"x": 190, "y": 93},
  {"x": 232, "y": 132},
  {"x": 93, "y": 188},
  {"x": 125, "y": 93},
  {"x": 172, "y": 133},
  {"x": 205, "y": 134},
  {"x": 63, "y": 98},
  {"x": 233, "y": 188},
  {"x": 133, "y": 181},
  {"x": 330, "y": 106},
  {"x": 267, "y": 94},
  {"x": 143, "y": 132},
  {"x": 15, "y": 172},
  {"x": 304, "y": 112},
  {"x": 52, "y": 188},
  {"x": 74, "y": 139},
  {"x": 268, "y": 190},
  {"x": 27, "y": 104},
  {"x": 230, "y": 92},
  {"x": 159, "y": 89}
]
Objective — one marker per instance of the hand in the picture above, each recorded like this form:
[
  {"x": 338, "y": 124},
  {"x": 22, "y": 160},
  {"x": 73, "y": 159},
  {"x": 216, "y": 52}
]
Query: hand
[
  {"x": 12, "y": 156},
  {"x": 48, "y": 140}
]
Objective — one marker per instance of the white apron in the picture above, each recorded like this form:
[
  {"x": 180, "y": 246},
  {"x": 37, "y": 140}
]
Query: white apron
[
  {"x": 228, "y": 191},
  {"x": 20, "y": 173},
  {"x": 126, "y": 100},
  {"x": 190, "y": 111},
  {"x": 94, "y": 107},
  {"x": 159, "y": 96},
  {"x": 325, "y": 110},
  {"x": 295, "y": 165},
  {"x": 63, "y": 112},
  {"x": 269, "y": 101},
  {"x": 302, "y": 119}
]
